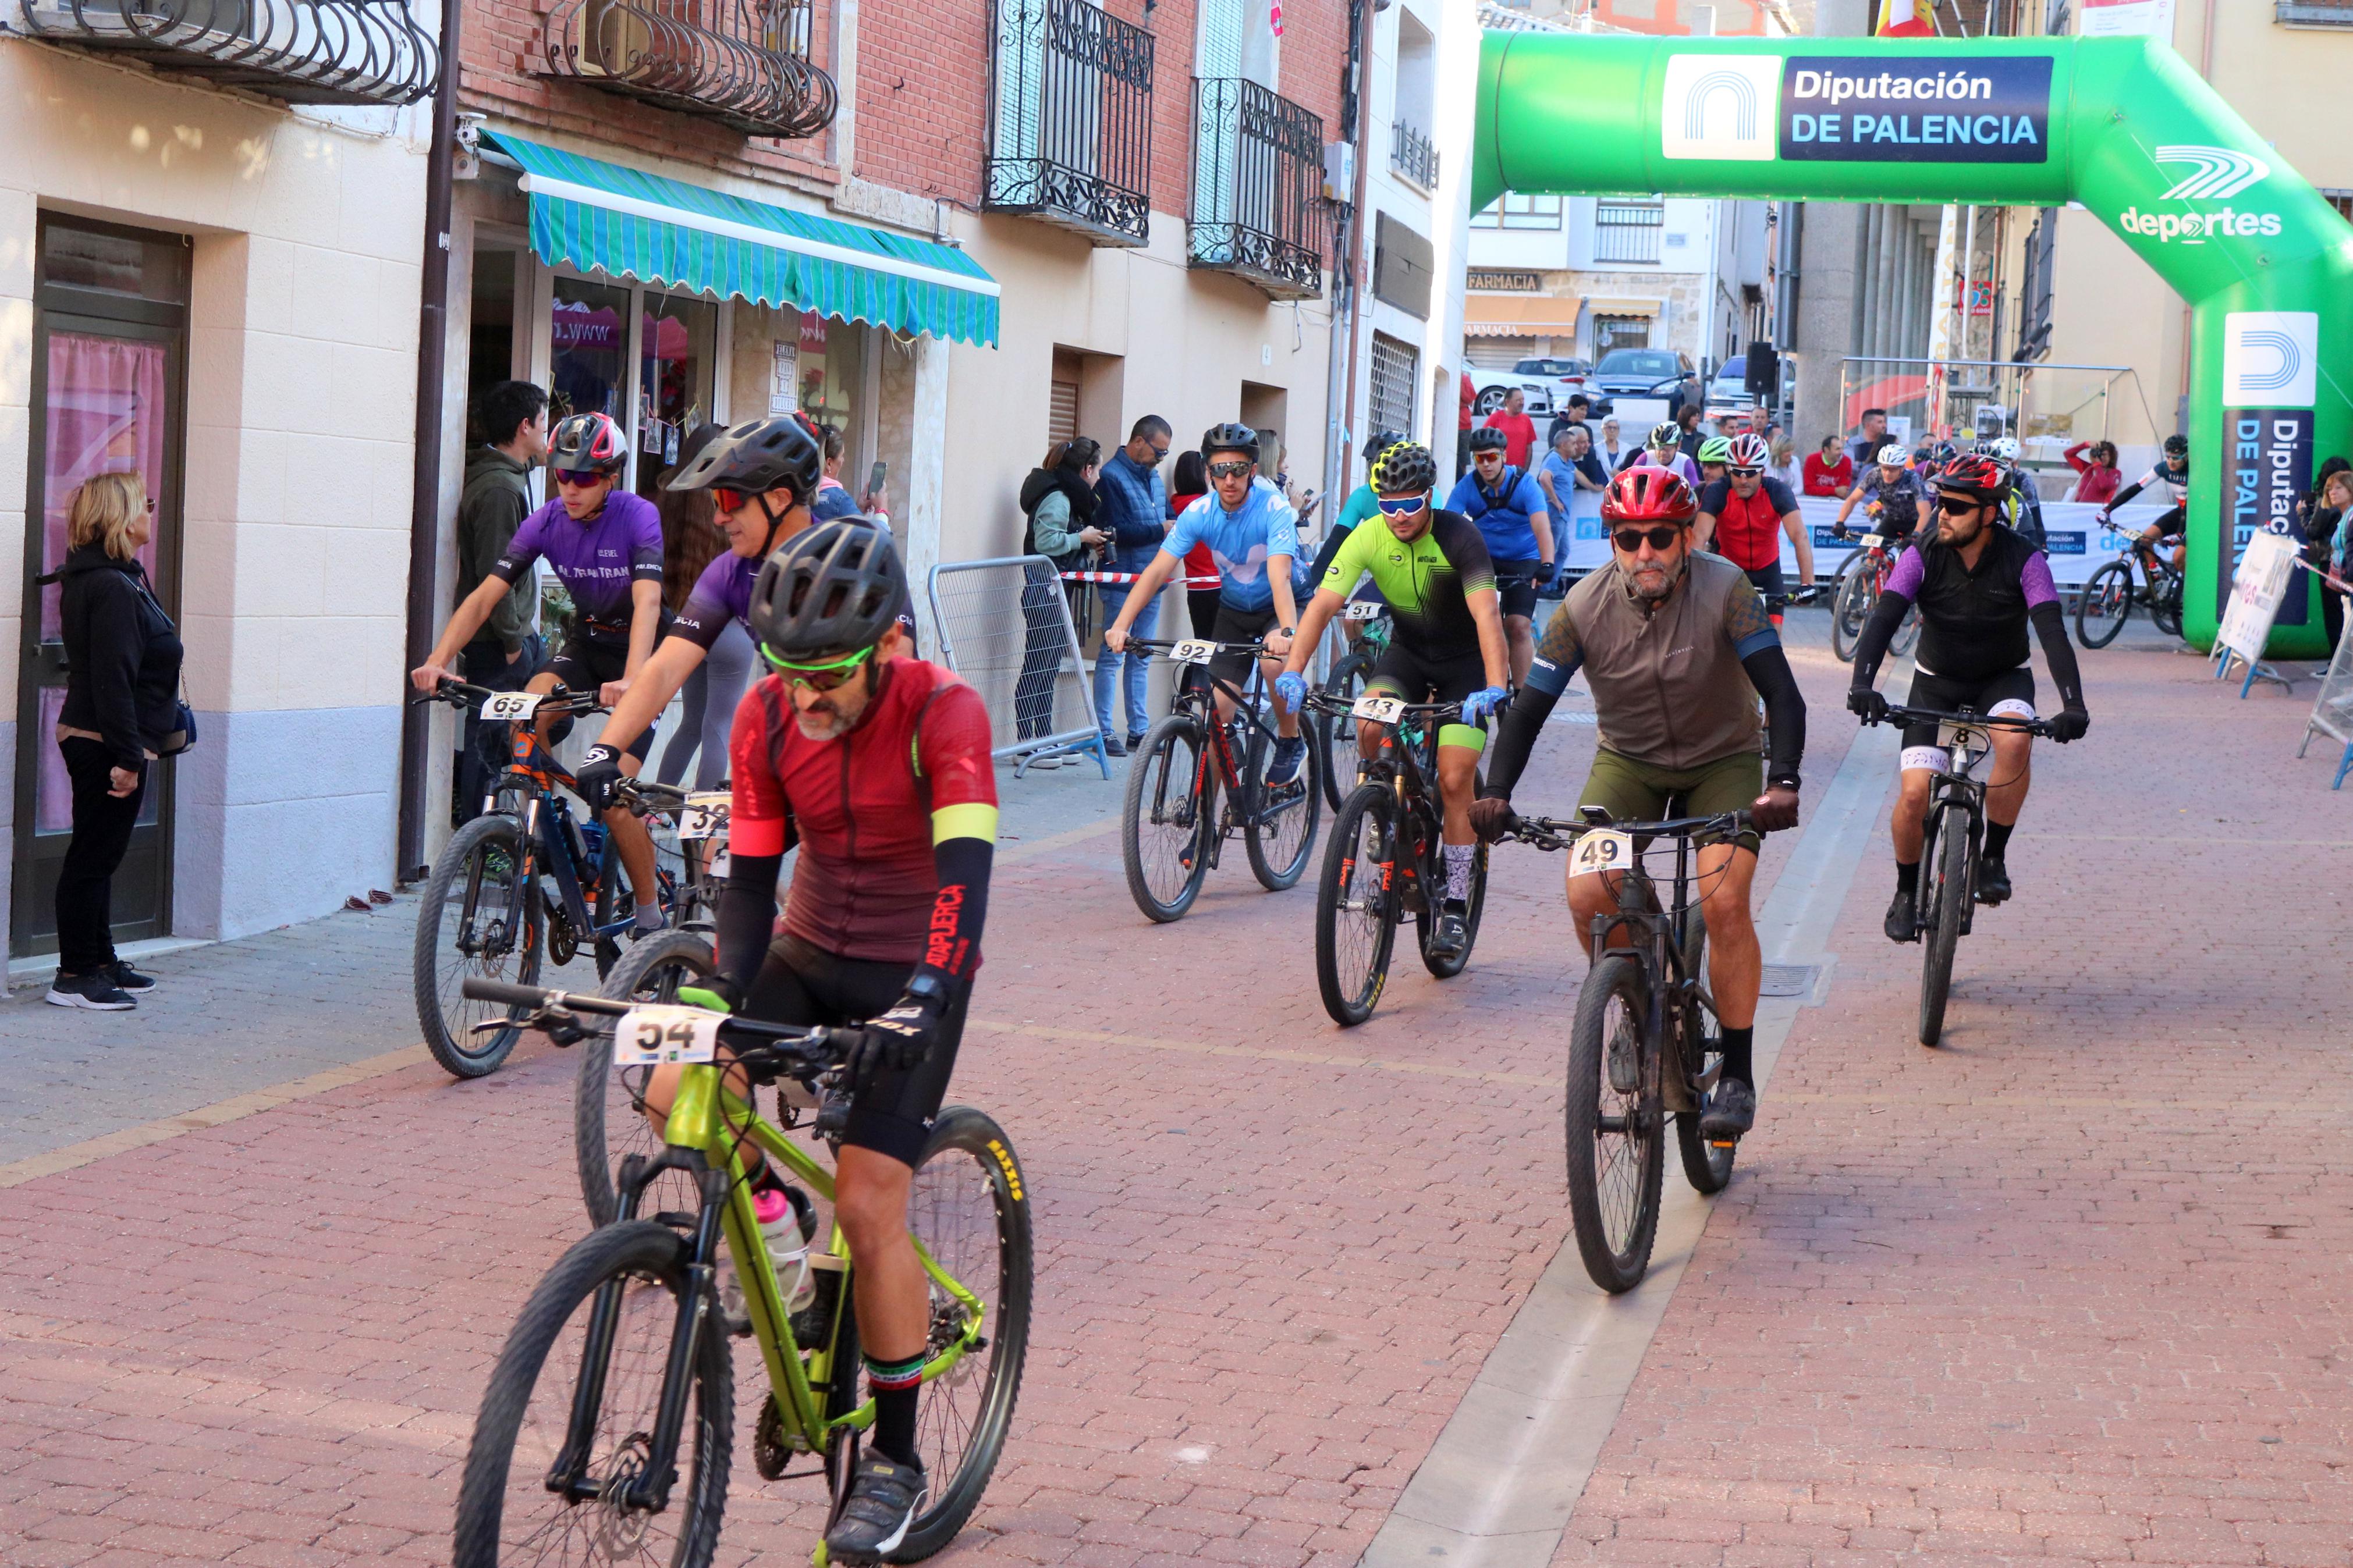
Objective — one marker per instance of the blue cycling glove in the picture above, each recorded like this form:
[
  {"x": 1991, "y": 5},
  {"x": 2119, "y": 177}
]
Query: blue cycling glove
[
  {"x": 1485, "y": 701},
  {"x": 1291, "y": 687}
]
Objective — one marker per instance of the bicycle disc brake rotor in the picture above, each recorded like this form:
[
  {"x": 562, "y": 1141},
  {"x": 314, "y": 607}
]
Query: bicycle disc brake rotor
[
  {"x": 562, "y": 942},
  {"x": 618, "y": 1524}
]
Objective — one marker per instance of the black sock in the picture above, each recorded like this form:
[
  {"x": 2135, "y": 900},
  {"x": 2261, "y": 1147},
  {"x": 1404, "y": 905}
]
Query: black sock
[
  {"x": 1907, "y": 877},
  {"x": 1997, "y": 839},
  {"x": 896, "y": 1385},
  {"x": 1739, "y": 1054}
]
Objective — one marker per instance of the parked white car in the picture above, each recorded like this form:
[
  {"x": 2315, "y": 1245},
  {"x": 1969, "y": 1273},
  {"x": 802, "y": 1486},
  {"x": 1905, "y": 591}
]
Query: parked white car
[{"x": 1488, "y": 387}]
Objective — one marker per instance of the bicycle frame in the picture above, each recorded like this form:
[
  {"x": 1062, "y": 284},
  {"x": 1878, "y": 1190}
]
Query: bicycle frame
[
  {"x": 1200, "y": 703},
  {"x": 1408, "y": 765}
]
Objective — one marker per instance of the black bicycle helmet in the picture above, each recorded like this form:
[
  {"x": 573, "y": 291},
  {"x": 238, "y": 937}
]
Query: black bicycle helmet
[
  {"x": 831, "y": 592},
  {"x": 1405, "y": 468},
  {"x": 1487, "y": 439},
  {"x": 757, "y": 456},
  {"x": 1229, "y": 438},
  {"x": 586, "y": 442},
  {"x": 1376, "y": 443}
]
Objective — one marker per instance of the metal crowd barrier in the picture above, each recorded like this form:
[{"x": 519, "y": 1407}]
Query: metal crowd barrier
[{"x": 1004, "y": 625}]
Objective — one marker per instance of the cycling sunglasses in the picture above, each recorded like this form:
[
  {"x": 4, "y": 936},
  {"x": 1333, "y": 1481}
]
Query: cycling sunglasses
[
  {"x": 1403, "y": 506},
  {"x": 1744, "y": 473},
  {"x": 728, "y": 499},
  {"x": 1629, "y": 539},
  {"x": 818, "y": 678},
  {"x": 580, "y": 478},
  {"x": 1229, "y": 470}
]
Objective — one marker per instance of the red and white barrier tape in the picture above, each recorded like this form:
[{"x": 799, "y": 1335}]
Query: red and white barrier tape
[{"x": 1117, "y": 578}]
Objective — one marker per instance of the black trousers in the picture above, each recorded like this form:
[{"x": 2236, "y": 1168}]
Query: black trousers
[
  {"x": 1042, "y": 649},
  {"x": 102, "y": 832}
]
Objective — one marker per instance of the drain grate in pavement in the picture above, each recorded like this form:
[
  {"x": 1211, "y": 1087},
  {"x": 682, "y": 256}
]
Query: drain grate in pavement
[{"x": 1793, "y": 979}]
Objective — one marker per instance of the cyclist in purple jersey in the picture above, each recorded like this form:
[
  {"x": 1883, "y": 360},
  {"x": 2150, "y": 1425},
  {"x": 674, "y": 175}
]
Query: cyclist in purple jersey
[{"x": 605, "y": 546}]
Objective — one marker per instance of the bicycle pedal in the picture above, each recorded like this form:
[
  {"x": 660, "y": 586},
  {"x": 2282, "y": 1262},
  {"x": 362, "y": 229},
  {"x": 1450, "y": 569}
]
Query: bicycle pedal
[{"x": 1724, "y": 1143}]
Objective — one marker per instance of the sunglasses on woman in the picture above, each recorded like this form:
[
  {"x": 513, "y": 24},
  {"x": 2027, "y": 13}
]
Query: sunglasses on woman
[
  {"x": 818, "y": 678},
  {"x": 1402, "y": 506},
  {"x": 1629, "y": 539}
]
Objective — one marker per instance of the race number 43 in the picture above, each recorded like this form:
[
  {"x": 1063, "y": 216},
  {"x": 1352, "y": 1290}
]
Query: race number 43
[
  {"x": 1191, "y": 652},
  {"x": 1602, "y": 850},
  {"x": 705, "y": 815},
  {"x": 1379, "y": 709},
  {"x": 658, "y": 1037},
  {"x": 511, "y": 707}
]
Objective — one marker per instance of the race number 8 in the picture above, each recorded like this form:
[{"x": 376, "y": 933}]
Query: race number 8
[
  {"x": 511, "y": 707},
  {"x": 1600, "y": 851}
]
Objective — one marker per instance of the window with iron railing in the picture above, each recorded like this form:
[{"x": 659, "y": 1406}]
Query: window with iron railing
[
  {"x": 2315, "y": 13},
  {"x": 341, "y": 52},
  {"x": 1394, "y": 380},
  {"x": 744, "y": 63},
  {"x": 1628, "y": 231},
  {"x": 1069, "y": 115},
  {"x": 1413, "y": 155},
  {"x": 1258, "y": 205}
]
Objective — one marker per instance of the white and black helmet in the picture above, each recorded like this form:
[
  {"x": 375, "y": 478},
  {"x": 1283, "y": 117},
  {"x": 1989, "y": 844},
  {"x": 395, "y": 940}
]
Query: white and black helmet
[{"x": 829, "y": 592}]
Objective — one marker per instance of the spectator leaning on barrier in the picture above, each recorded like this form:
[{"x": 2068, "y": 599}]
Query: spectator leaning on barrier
[
  {"x": 1519, "y": 430},
  {"x": 1131, "y": 502},
  {"x": 122, "y": 712},
  {"x": 1059, "y": 498},
  {"x": 1828, "y": 470},
  {"x": 496, "y": 499},
  {"x": 1612, "y": 449},
  {"x": 1578, "y": 410},
  {"x": 1569, "y": 467},
  {"x": 1200, "y": 566},
  {"x": 2096, "y": 475},
  {"x": 1869, "y": 436}
]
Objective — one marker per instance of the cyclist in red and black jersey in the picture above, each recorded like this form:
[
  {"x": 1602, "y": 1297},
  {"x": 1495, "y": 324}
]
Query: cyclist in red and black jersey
[
  {"x": 1744, "y": 517},
  {"x": 877, "y": 767}
]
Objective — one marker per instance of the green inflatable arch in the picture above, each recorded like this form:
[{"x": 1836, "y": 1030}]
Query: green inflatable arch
[{"x": 2122, "y": 125}]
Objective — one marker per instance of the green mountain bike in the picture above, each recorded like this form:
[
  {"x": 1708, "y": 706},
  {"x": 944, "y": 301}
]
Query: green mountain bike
[{"x": 607, "y": 1431}]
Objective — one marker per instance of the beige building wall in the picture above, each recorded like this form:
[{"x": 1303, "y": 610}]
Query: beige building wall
[{"x": 301, "y": 388}]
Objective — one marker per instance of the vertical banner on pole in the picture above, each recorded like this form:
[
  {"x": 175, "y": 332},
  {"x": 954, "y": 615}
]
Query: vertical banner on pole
[{"x": 2271, "y": 469}]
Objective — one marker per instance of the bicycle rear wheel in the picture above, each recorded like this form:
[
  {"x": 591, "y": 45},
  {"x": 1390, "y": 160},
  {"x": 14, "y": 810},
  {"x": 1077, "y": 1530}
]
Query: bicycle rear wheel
[
  {"x": 478, "y": 917},
  {"x": 971, "y": 1212},
  {"x": 1851, "y": 599},
  {"x": 1706, "y": 1167},
  {"x": 1425, "y": 923},
  {"x": 1335, "y": 733},
  {"x": 1357, "y": 906},
  {"x": 608, "y": 1121},
  {"x": 2104, "y": 605},
  {"x": 1949, "y": 896},
  {"x": 635, "y": 1275},
  {"x": 1615, "y": 1161},
  {"x": 2165, "y": 603},
  {"x": 1280, "y": 833},
  {"x": 1164, "y": 829},
  {"x": 1907, "y": 634}
]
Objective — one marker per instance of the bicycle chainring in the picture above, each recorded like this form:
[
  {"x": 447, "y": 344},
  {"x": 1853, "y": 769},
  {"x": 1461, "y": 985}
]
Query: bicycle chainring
[
  {"x": 771, "y": 1451},
  {"x": 562, "y": 941}
]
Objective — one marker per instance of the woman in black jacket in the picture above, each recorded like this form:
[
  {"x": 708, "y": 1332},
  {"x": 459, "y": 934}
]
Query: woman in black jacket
[
  {"x": 1058, "y": 500},
  {"x": 121, "y": 708}
]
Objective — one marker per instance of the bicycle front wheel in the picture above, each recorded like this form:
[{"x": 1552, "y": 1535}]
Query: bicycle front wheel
[
  {"x": 602, "y": 1318},
  {"x": 1335, "y": 733},
  {"x": 970, "y": 1210},
  {"x": 1706, "y": 1167},
  {"x": 478, "y": 917},
  {"x": 1164, "y": 821},
  {"x": 1357, "y": 906},
  {"x": 1615, "y": 1164},
  {"x": 1949, "y": 895},
  {"x": 1850, "y": 608},
  {"x": 2103, "y": 605},
  {"x": 608, "y": 1120},
  {"x": 1282, "y": 830}
]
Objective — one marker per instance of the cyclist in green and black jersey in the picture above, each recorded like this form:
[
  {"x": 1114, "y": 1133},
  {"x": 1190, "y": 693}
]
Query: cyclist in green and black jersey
[{"x": 1447, "y": 645}]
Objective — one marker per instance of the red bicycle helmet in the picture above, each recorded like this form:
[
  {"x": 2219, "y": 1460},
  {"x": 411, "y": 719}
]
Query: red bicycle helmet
[
  {"x": 1645, "y": 494},
  {"x": 1973, "y": 477}
]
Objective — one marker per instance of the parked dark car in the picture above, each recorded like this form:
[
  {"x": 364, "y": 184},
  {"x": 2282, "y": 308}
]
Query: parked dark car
[{"x": 1648, "y": 372}]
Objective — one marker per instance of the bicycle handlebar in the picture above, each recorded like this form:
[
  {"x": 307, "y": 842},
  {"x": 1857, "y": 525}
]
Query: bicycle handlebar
[
  {"x": 561, "y": 701},
  {"x": 1259, "y": 649},
  {"x": 1900, "y": 715},
  {"x": 783, "y": 1046},
  {"x": 1559, "y": 833},
  {"x": 1330, "y": 702}
]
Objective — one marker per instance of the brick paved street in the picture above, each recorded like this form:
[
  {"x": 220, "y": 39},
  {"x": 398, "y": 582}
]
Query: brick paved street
[{"x": 2071, "y": 1287}]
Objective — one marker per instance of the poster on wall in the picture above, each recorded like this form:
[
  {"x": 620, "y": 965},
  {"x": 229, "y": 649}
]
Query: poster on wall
[
  {"x": 2127, "y": 19},
  {"x": 784, "y": 376}
]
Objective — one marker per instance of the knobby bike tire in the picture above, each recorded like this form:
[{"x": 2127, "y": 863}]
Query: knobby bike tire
[
  {"x": 2109, "y": 588},
  {"x": 1349, "y": 997},
  {"x": 1706, "y": 1167},
  {"x": 1636, "y": 1162},
  {"x": 1160, "y": 779},
  {"x": 2165, "y": 603},
  {"x": 1907, "y": 634},
  {"x": 1279, "y": 845},
  {"x": 436, "y": 968},
  {"x": 1337, "y": 732},
  {"x": 609, "y": 1255},
  {"x": 1849, "y": 606},
  {"x": 654, "y": 967},
  {"x": 1426, "y": 923},
  {"x": 959, "y": 1454},
  {"x": 1943, "y": 938}
]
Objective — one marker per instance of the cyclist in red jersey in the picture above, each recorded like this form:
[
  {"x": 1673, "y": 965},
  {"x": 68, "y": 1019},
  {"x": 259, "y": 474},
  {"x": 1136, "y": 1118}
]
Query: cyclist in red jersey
[
  {"x": 1744, "y": 517},
  {"x": 877, "y": 767}
]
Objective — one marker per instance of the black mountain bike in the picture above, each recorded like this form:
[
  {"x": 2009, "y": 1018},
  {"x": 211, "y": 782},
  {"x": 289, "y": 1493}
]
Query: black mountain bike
[
  {"x": 1646, "y": 1043},
  {"x": 1384, "y": 861},
  {"x": 1952, "y": 842},
  {"x": 2109, "y": 594},
  {"x": 1172, "y": 824},
  {"x": 1347, "y": 682}
]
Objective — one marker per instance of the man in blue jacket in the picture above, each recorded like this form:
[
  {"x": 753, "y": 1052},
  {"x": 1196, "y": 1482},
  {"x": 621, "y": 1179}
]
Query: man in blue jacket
[
  {"x": 1133, "y": 507},
  {"x": 1510, "y": 511}
]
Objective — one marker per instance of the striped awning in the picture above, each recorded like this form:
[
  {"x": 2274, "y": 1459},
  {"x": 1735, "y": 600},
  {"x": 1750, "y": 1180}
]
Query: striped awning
[
  {"x": 1519, "y": 315},
  {"x": 595, "y": 215}
]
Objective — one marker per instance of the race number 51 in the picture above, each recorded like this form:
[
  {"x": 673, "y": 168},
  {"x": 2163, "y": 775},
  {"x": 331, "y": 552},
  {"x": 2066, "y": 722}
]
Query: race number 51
[
  {"x": 658, "y": 1037},
  {"x": 511, "y": 707},
  {"x": 1600, "y": 851}
]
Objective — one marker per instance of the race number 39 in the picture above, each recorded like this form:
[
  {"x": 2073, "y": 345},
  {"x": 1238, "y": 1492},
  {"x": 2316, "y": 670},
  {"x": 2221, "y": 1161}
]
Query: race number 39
[
  {"x": 511, "y": 707},
  {"x": 1600, "y": 851},
  {"x": 1191, "y": 652},
  {"x": 658, "y": 1037},
  {"x": 1379, "y": 709}
]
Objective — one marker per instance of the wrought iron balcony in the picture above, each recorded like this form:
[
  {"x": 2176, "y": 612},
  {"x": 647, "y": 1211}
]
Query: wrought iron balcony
[
  {"x": 348, "y": 52},
  {"x": 1070, "y": 116},
  {"x": 1413, "y": 155},
  {"x": 1257, "y": 206},
  {"x": 1628, "y": 231},
  {"x": 744, "y": 63}
]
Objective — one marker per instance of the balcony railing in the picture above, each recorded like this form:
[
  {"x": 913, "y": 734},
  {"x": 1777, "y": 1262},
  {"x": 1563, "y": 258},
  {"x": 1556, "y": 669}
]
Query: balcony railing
[
  {"x": 1627, "y": 231},
  {"x": 1069, "y": 115},
  {"x": 2315, "y": 13},
  {"x": 1257, "y": 209},
  {"x": 744, "y": 63},
  {"x": 348, "y": 52},
  {"x": 1413, "y": 155}
]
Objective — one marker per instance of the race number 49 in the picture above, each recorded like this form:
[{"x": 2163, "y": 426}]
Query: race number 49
[
  {"x": 1602, "y": 850},
  {"x": 659, "y": 1036},
  {"x": 511, "y": 707}
]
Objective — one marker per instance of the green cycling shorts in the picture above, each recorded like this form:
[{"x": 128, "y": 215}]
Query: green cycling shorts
[{"x": 1633, "y": 791}]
